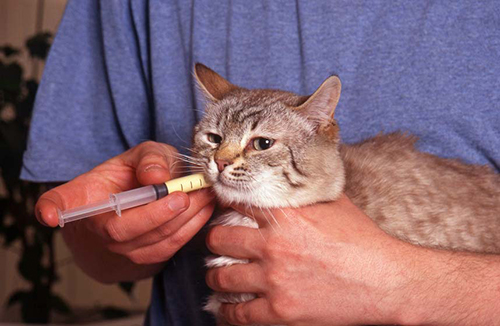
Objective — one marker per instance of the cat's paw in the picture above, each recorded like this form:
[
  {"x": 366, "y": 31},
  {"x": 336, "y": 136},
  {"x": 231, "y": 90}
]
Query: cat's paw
[
  {"x": 234, "y": 218},
  {"x": 212, "y": 305},
  {"x": 215, "y": 300},
  {"x": 221, "y": 261}
]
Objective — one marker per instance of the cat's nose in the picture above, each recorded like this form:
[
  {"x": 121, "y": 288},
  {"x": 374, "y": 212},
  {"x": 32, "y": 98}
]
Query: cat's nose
[{"x": 221, "y": 164}]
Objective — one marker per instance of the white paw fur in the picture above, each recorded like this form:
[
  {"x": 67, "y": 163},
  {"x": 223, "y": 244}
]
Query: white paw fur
[{"x": 231, "y": 218}]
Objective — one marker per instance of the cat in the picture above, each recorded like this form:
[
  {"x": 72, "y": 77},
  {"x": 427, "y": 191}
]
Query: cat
[{"x": 272, "y": 148}]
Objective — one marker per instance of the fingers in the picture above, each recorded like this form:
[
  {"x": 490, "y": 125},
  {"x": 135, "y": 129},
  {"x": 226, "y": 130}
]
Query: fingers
[
  {"x": 239, "y": 278},
  {"x": 46, "y": 209},
  {"x": 153, "y": 162},
  {"x": 67, "y": 195},
  {"x": 156, "y": 163},
  {"x": 161, "y": 233},
  {"x": 147, "y": 163},
  {"x": 164, "y": 250},
  {"x": 235, "y": 241},
  {"x": 256, "y": 311},
  {"x": 267, "y": 217},
  {"x": 140, "y": 220}
]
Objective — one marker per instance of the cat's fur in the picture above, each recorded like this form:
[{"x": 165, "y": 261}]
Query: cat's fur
[{"x": 414, "y": 196}]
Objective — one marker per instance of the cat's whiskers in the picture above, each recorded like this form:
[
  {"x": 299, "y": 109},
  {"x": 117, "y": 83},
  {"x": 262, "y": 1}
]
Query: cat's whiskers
[
  {"x": 174, "y": 166},
  {"x": 180, "y": 163},
  {"x": 274, "y": 218},
  {"x": 251, "y": 194},
  {"x": 188, "y": 171},
  {"x": 188, "y": 157},
  {"x": 250, "y": 176},
  {"x": 253, "y": 218},
  {"x": 184, "y": 158},
  {"x": 189, "y": 160},
  {"x": 267, "y": 219},
  {"x": 185, "y": 169},
  {"x": 302, "y": 223},
  {"x": 190, "y": 149},
  {"x": 200, "y": 111},
  {"x": 193, "y": 167},
  {"x": 177, "y": 134}
]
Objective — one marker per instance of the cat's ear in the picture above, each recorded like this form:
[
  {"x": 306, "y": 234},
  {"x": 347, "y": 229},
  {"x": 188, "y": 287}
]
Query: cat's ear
[
  {"x": 320, "y": 106},
  {"x": 213, "y": 86}
]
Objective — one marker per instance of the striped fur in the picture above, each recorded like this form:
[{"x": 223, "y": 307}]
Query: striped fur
[{"x": 414, "y": 196}]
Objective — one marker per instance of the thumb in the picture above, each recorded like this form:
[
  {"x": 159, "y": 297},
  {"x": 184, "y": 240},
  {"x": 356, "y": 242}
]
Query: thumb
[
  {"x": 60, "y": 198},
  {"x": 153, "y": 162},
  {"x": 46, "y": 211}
]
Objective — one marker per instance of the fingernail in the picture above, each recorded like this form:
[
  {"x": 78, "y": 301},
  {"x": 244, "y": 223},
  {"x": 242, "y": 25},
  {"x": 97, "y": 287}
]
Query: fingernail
[
  {"x": 153, "y": 167},
  {"x": 176, "y": 203},
  {"x": 38, "y": 215}
]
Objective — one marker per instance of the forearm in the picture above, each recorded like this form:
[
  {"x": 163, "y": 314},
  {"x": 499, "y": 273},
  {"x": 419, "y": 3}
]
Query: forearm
[
  {"x": 93, "y": 257},
  {"x": 452, "y": 288}
]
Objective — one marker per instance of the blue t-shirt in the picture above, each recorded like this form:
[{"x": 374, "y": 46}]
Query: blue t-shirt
[{"x": 119, "y": 73}]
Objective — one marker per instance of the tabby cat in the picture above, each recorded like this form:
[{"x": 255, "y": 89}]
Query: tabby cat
[{"x": 271, "y": 148}]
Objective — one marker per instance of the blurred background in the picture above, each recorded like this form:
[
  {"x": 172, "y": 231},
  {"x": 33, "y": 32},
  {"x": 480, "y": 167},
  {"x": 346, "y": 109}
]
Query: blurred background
[{"x": 39, "y": 282}]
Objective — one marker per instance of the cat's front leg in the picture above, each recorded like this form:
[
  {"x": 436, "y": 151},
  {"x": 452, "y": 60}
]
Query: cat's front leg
[
  {"x": 230, "y": 218},
  {"x": 217, "y": 298}
]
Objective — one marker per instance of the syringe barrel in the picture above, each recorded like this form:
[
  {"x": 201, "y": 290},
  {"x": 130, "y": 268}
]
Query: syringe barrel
[
  {"x": 133, "y": 198},
  {"x": 187, "y": 184},
  {"x": 81, "y": 212}
]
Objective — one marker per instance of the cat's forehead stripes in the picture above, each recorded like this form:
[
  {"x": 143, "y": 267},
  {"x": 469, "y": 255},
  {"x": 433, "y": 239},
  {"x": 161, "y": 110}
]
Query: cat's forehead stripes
[
  {"x": 246, "y": 109},
  {"x": 243, "y": 114}
]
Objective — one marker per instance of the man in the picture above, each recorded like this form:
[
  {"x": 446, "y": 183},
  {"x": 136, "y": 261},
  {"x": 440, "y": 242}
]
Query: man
[{"x": 120, "y": 73}]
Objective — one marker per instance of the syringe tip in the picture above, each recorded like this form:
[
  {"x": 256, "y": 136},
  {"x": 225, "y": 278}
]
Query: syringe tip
[{"x": 60, "y": 218}]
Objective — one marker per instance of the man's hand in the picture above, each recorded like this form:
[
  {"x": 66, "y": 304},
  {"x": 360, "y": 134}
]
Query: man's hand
[
  {"x": 135, "y": 245},
  {"x": 325, "y": 264},
  {"x": 329, "y": 264}
]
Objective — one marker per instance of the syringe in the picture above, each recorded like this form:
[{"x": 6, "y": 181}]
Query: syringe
[{"x": 133, "y": 198}]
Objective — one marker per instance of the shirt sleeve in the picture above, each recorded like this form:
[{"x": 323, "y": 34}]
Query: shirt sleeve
[{"x": 93, "y": 101}]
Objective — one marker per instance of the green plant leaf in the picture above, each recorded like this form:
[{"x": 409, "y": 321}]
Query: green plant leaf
[
  {"x": 59, "y": 305},
  {"x": 8, "y": 50},
  {"x": 11, "y": 234},
  {"x": 113, "y": 313},
  {"x": 39, "y": 45},
  {"x": 17, "y": 296},
  {"x": 30, "y": 266},
  {"x": 35, "y": 306},
  {"x": 25, "y": 107},
  {"x": 38, "y": 302},
  {"x": 11, "y": 76},
  {"x": 127, "y": 287},
  {"x": 4, "y": 209}
]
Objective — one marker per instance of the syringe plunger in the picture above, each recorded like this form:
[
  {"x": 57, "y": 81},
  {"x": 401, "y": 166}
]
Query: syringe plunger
[{"x": 133, "y": 198}]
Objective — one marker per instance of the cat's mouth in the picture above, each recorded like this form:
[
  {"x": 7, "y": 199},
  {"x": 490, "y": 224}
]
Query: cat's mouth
[
  {"x": 221, "y": 179},
  {"x": 231, "y": 182}
]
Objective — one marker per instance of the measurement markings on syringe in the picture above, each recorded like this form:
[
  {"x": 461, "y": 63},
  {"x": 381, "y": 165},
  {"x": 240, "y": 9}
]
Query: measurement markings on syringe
[{"x": 131, "y": 198}]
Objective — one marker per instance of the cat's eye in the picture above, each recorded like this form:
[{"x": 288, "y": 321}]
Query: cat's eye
[
  {"x": 214, "y": 138},
  {"x": 261, "y": 144}
]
